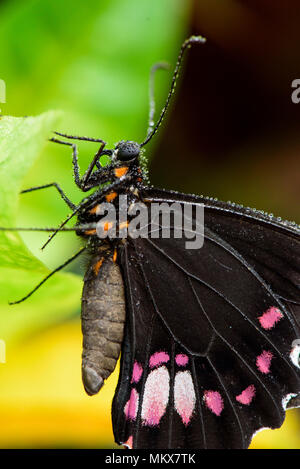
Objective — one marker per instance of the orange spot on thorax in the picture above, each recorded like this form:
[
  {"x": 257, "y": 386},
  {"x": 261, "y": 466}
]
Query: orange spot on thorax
[
  {"x": 119, "y": 172},
  {"x": 108, "y": 225},
  {"x": 90, "y": 232},
  {"x": 111, "y": 196},
  {"x": 123, "y": 224},
  {"x": 97, "y": 266},
  {"x": 94, "y": 209}
]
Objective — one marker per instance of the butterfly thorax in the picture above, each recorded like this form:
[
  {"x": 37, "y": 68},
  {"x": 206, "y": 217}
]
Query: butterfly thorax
[{"x": 118, "y": 188}]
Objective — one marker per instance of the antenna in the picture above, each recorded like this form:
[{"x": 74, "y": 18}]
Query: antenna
[
  {"x": 153, "y": 129},
  {"x": 154, "y": 68}
]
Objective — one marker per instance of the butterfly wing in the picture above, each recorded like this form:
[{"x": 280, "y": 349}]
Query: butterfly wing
[
  {"x": 270, "y": 245},
  {"x": 207, "y": 358}
]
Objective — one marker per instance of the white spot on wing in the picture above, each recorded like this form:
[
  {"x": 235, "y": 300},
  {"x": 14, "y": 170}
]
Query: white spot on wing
[
  {"x": 287, "y": 399},
  {"x": 295, "y": 353},
  {"x": 156, "y": 396},
  {"x": 184, "y": 395}
]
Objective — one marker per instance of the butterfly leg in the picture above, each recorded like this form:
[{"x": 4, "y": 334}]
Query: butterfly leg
[
  {"x": 86, "y": 139},
  {"x": 48, "y": 276},
  {"x": 75, "y": 210},
  {"x": 85, "y": 179},
  {"x": 59, "y": 189},
  {"x": 74, "y": 159},
  {"x": 81, "y": 182}
]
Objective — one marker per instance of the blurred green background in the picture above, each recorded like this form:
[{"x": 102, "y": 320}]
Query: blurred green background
[{"x": 232, "y": 132}]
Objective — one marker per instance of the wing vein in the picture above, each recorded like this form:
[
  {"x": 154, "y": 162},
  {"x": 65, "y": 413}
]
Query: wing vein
[
  {"x": 199, "y": 402},
  {"x": 249, "y": 268},
  {"x": 230, "y": 400},
  {"x": 171, "y": 399},
  {"x": 145, "y": 367},
  {"x": 189, "y": 275},
  {"x": 236, "y": 353}
]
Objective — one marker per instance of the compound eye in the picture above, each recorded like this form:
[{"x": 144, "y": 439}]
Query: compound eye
[{"x": 126, "y": 151}]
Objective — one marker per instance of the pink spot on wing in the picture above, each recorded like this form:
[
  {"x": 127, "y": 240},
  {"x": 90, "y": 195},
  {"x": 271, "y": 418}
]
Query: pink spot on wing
[
  {"x": 156, "y": 396},
  {"x": 263, "y": 361},
  {"x": 184, "y": 395},
  {"x": 137, "y": 372},
  {"x": 214, "y": 401},
  {"x": 158, "y": 358},
  {"x": 247, "y": 395},
  {"x": 270, "y": 317},
  {"x": 182, "y": 359},
  {"x": 131, "y": 405}
]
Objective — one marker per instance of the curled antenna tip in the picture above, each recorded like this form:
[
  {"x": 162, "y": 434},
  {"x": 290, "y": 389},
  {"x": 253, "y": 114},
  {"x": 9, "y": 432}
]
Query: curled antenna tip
[
  {"x": 152, "y": 128},
  {"x": 196, "y": 39},
  {"x": 193, "y": 40},
  {"x": 160, "y": 65}
]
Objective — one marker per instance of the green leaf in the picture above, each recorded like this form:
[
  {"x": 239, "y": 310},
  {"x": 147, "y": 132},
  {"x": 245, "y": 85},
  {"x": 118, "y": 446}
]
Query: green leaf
[
  {"x": 21, "y": 141},
  {"x": 92, "y": 60}
]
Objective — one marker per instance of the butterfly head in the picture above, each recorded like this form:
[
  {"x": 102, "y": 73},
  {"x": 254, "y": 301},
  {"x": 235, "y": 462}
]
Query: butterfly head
[{"x": 126, "y": 151}]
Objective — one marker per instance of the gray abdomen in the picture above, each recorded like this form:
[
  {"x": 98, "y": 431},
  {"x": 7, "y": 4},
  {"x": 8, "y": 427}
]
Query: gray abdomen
[{"x": 102, "y": 319}]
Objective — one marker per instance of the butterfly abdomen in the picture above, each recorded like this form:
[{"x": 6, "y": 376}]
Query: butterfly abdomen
[{"x": 102, "y": 319}]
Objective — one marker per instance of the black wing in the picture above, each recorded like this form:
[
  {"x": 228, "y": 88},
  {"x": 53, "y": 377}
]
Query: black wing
[{"x": 209, "y": 355}]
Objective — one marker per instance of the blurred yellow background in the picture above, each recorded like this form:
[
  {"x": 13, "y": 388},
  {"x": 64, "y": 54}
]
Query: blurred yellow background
[{"x": 43, "y": 403}]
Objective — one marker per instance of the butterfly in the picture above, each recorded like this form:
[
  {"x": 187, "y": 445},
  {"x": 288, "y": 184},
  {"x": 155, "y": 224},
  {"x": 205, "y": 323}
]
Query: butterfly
[{"x": 209, "y": 336}]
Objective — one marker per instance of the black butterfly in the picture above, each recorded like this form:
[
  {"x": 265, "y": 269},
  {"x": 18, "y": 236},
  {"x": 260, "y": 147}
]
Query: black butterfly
[{"x": 210, "y": 346}]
